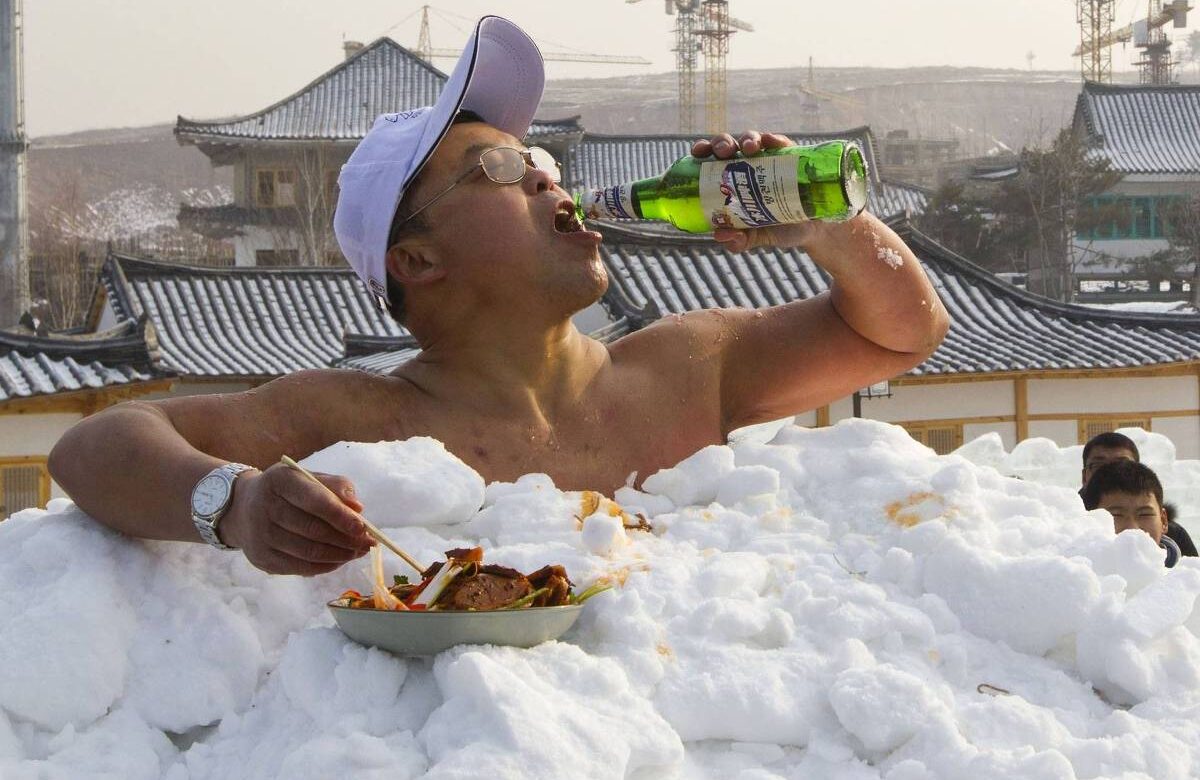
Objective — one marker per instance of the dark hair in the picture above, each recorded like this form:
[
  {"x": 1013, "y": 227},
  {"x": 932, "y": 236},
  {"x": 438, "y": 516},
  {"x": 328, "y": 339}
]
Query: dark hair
[
  {"x": 399, "y": 229},
  {"x": 1121, "y": 476},
  {"x": 1113, "y": 441}
]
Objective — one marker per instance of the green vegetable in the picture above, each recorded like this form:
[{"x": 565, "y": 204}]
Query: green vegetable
[
  {"x": 398, "y": 580},
  {"x": 592, "y": 590},
  {"x": 526, "y": 599}
]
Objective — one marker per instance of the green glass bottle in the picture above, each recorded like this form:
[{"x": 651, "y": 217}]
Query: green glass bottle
[{"x": 793, "y": 184}]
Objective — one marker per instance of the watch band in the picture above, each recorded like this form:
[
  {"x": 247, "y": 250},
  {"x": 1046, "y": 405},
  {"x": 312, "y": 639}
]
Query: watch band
[{"x": 207, "y": 526}]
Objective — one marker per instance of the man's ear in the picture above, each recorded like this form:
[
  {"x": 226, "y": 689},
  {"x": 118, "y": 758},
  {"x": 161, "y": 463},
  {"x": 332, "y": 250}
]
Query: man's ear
[
  {"x": 414, "y": 264},
  {"x": 1164, "y": 519}
]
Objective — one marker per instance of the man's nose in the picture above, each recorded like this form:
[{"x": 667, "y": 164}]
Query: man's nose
[{"x": 537, "y": 181}]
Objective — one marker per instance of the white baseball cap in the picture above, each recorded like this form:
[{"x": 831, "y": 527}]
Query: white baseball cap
[{"x": 499, "y": 77}]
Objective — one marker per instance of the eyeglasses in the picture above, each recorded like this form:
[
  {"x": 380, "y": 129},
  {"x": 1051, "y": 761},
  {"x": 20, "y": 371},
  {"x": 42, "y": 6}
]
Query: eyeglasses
[{"x": 503, "y": 165}]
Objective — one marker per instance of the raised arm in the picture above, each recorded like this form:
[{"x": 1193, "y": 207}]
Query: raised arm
[
  {"x": 133, "y": 467},
  {"x": 880, "y": 318}
]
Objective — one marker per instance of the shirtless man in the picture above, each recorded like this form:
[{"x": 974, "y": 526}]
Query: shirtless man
[{"x": 490, "y": 277}]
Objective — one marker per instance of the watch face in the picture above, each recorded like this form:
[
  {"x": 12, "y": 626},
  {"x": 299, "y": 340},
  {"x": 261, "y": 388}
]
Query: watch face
[{"x": 210, "y": 495}]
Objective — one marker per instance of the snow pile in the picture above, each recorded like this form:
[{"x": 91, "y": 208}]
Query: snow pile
[{"x": 833, "y": 603}]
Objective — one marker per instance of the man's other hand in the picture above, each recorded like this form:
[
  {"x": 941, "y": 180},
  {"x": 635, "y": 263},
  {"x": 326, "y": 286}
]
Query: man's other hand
[
  {"x": 285, "y": 524},
  {"x": 751, "y": 142}
]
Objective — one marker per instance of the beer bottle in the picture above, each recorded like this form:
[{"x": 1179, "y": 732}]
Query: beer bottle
[{"x": 827, "y": 181}]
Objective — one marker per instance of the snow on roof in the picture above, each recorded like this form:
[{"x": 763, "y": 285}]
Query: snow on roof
[
  {"x": 1143, "y": 129},
  {"x": 838, "y": 603},
  {"x": 265, "y": 322},
  {"x": 32, "y": 365},
  {"x": 244, "y": 322},
  {"x": 342, "y": 103}
]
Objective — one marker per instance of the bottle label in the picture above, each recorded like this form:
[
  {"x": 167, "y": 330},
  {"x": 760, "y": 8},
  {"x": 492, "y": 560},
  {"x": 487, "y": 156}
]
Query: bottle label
[
  {"x": 609, "y": 203},
  {"x": 751, "y": 192}
]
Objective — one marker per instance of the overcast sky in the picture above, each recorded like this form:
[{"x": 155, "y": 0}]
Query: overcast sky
[{"x": 116, "y": 63}]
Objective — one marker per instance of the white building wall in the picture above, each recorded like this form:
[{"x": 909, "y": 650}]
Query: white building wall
[
  {"x": 254, "y": 238},
  {"x": 1184, "y": 433},
  {"x": 1093, "y": 251},
  {"x": 1064, "y": 433},
  {"x": 940, "y": 402},
  {"x": 23, "y": 435},
  {"x": 1066, "y": 400},
  {"x": 1007, "y": 431},
  {"x": 1103, "y": 396}
]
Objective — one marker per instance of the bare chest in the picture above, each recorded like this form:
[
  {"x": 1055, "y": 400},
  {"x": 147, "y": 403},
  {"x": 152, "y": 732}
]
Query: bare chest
[{"x": 596, "y": 446}]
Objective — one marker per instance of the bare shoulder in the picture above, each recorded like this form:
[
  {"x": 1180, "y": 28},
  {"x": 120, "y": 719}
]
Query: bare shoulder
[
  {"x": 297, "y": 413},
  {"x": 688, "y": 337}
]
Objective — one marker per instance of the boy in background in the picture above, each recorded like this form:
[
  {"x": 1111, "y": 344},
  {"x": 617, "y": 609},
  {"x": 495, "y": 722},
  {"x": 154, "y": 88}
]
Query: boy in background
[
  {"x": 1132, "y": 494},
  {"x": 1108, "y": 447}
]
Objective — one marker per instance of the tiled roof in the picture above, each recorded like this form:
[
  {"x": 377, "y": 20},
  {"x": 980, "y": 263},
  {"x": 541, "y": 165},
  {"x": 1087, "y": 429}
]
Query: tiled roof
[
  {"x": 342, "y": 103},
  {"x": 604, "y": 160},
  {"x": 244, "y": 322},
  {"x": 1143, "y": 129},
  {"x": 996, "y": 327},
  {"x": 33, "y": 365}
]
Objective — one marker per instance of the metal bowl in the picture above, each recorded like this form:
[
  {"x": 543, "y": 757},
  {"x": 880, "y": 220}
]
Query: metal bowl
[{"x": 429, "y": 633}]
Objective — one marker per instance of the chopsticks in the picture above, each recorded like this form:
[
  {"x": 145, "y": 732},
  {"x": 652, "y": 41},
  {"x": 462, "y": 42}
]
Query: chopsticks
[{"x": 371, "y": 529}]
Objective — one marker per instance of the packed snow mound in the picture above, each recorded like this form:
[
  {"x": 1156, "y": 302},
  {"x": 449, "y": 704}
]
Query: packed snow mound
[{"x": 833, "y": 603}]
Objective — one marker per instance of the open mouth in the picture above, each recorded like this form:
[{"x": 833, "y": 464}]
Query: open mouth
[{"x": 565, "y": 219}]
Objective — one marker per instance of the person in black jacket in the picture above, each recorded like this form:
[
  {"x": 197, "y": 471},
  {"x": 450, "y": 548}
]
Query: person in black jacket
[
  {"x": 1108, "y": 447},
  {"x": 1132, "y": 494}
]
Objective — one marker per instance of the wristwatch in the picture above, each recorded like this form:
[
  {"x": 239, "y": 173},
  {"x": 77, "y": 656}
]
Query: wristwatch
[{"x": 211, "y": 498}]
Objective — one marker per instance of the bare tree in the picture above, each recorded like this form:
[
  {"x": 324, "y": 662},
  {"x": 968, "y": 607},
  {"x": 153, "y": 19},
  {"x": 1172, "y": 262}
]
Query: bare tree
[
  {"x": 1183, "y": 235},
  {"x": 301, "y": 219},
  {"x": 63, "y": 262}
]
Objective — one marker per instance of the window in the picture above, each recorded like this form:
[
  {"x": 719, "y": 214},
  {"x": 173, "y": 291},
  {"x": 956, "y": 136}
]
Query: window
[
  {"x": 1093, "y": 426},
  {"x": 24, "y": 483},
  {"x": 942, "y": 438},
  {"x": 1116, "y": 216},
  {"x": 275, "y": 187},
  {"x": 269, "y": 258}
]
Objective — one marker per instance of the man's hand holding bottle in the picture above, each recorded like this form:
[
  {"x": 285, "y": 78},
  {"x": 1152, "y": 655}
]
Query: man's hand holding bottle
[{"x": 723, "y": 146}]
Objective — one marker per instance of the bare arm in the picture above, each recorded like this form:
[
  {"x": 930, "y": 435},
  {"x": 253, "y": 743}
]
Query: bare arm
[
  {"x": 880, "y": 318},
  {"x": 133, "y": 468}
]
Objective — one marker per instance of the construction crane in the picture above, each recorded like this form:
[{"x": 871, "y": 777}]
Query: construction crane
[
  {"x": 702, "y": 27},
  {"x": 1097, "y": 36},
  {"x": 814, "y": 99},
  {"x": 426, "y": 50}
]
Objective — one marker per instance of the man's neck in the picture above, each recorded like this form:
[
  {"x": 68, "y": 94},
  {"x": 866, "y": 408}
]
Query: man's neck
[{"x": 532, "y": 373}]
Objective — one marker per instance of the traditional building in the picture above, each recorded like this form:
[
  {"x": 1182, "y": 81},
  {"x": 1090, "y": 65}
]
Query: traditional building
[
  {"x": 286, "y": 157},
  {"x": 1151, "y": 136}
]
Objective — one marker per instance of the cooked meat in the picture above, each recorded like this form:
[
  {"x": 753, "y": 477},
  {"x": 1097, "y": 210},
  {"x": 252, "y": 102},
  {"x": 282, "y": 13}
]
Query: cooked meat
[
  {"x": 554, "y": 578},
  {"x": 485, "y": 590}
]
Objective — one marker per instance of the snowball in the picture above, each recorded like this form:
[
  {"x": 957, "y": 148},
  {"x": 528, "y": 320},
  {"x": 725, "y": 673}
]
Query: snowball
[{"x": 602, "y": 533}]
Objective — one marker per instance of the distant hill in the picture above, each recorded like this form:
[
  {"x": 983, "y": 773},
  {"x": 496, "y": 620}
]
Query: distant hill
[{"x": 984, "y": 109}]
